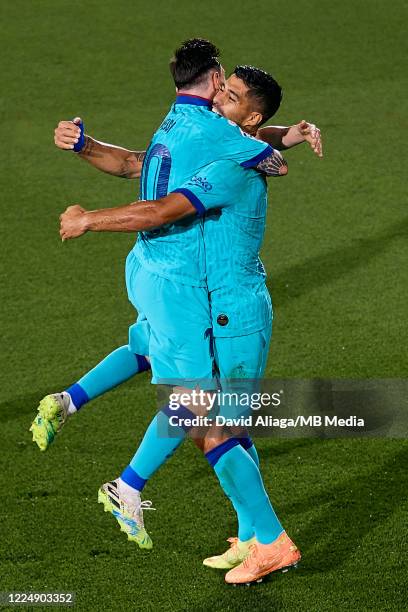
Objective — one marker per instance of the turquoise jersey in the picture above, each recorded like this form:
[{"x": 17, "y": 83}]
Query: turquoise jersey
[
  {"x": 190, "y": 137},
  {"x": 235, "y": 200}
]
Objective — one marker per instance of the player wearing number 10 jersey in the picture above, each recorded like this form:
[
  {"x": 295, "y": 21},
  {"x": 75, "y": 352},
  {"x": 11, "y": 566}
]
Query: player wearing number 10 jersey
[{"x": 189, "y": 138}]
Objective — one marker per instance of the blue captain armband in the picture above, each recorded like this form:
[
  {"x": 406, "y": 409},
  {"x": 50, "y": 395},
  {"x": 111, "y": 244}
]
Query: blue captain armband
[{"x": 78, "y": 146}]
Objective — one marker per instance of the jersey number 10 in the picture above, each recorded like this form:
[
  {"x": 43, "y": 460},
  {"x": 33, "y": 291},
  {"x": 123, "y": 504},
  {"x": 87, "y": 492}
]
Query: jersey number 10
[{"x": 155, "y": 174}]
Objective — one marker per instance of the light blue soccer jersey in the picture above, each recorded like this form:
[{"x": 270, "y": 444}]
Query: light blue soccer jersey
[
  {"x": 235, "y": 201},
  {"x": 190, "y": 137}
]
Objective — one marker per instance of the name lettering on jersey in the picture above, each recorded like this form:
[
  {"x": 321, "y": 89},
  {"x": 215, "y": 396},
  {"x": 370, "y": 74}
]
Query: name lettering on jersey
[
  {"x": 167, "y": 125},
  {"x": 201, "y": 182}
]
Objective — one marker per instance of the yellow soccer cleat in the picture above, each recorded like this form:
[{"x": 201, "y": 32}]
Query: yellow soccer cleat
[
  {"x": 264, "y": 559},
  {"x": 55, "y": 408},
  {"x": 128, "y": 512},
  {"x": 52, "y": 414},
  {"x": 236, "y": 554},
  {"x": 43, "y": 432}
]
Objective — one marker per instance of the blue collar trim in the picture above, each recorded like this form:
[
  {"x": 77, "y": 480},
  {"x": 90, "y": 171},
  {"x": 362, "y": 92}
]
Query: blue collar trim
[{"x": 194, "y": 100}]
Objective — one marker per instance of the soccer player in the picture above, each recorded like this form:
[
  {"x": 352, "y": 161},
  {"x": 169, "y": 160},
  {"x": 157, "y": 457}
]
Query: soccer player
[{"x": 244, "y": 80}]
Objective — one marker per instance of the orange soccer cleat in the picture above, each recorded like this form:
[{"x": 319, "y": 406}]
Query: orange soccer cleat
[{"x": 265, "y": 559}]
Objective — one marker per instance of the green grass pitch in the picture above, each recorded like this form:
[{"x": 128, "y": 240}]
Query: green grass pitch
[{"x": 336, "y": 254}]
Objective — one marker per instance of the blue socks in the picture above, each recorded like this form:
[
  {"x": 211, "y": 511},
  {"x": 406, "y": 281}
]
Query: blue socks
[
  {"x": 245, "y": 526},
  {"x": 250, "y": 449},
  {"x": 79, "y": 396},
  {"x": 116, "y": 368},
  {"x": 241, "y": 480},
  {"x": 235, "y": 461},
  {"x": 158, "y": 444}
]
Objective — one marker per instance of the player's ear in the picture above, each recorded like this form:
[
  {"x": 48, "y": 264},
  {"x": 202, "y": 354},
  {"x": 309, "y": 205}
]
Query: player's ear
[
  {"x": 253, "y": 121},
  {"x": 218, "y": 81}
]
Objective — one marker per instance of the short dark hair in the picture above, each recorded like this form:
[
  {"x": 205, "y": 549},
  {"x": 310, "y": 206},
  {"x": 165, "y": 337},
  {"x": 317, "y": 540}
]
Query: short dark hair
[
  {"x": 262, "y": 87},
  {"x": 192, "y": 61}
]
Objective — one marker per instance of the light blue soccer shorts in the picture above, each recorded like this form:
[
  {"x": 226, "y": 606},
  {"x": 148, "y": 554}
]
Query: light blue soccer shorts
[
  {"x": 175, "y": 318},
  {"x": 241, "y": 362},
  {"x": 139, "y": 336},
  {"x": 243, "y": 356}
]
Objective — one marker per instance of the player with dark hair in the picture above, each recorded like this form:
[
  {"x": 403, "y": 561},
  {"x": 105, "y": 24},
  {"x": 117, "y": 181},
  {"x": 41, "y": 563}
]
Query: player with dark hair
[
  {"x": 192, "y": 61},
  {"x": 260, "y": 89}
]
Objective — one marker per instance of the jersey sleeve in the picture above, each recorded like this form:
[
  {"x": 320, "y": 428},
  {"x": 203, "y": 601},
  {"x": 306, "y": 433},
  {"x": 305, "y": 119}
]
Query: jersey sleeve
[
  {"x": 240, "y": 147},
  {"x": 214, "y": 186}
]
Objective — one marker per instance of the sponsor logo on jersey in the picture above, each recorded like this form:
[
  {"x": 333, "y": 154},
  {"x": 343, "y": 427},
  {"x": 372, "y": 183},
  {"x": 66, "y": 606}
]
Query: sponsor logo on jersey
[{"x": 201, "y": 182}]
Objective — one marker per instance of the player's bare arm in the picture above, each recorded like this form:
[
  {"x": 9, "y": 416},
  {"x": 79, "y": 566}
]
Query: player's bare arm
[
  {"x": 135, "y": 217},
  {"x": 112, "y": 159},
  {"x": 282, "y": 138},
  {"x": 109, "y": 158}
]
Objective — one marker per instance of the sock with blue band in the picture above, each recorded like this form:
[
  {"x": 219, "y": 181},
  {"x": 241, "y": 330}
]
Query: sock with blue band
[
  {"x": 158, "y": 444},
  {"x": 244, "y": 518},
  {"x": 241, "y": 480},
  {"x": 116, "y": 368}
]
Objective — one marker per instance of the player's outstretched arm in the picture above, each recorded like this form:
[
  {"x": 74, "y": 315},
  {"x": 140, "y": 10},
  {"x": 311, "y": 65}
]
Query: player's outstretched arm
[
  {"x": 114, "y": 160},
  {"x": 136, "y": 217},
  {"x": 287, "y": 137}
]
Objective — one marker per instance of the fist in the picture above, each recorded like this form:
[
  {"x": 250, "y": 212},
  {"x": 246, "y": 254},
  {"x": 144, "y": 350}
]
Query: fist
[
  {"x": 73, "y": 222},
  {"x": 67, "y": 134}
]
